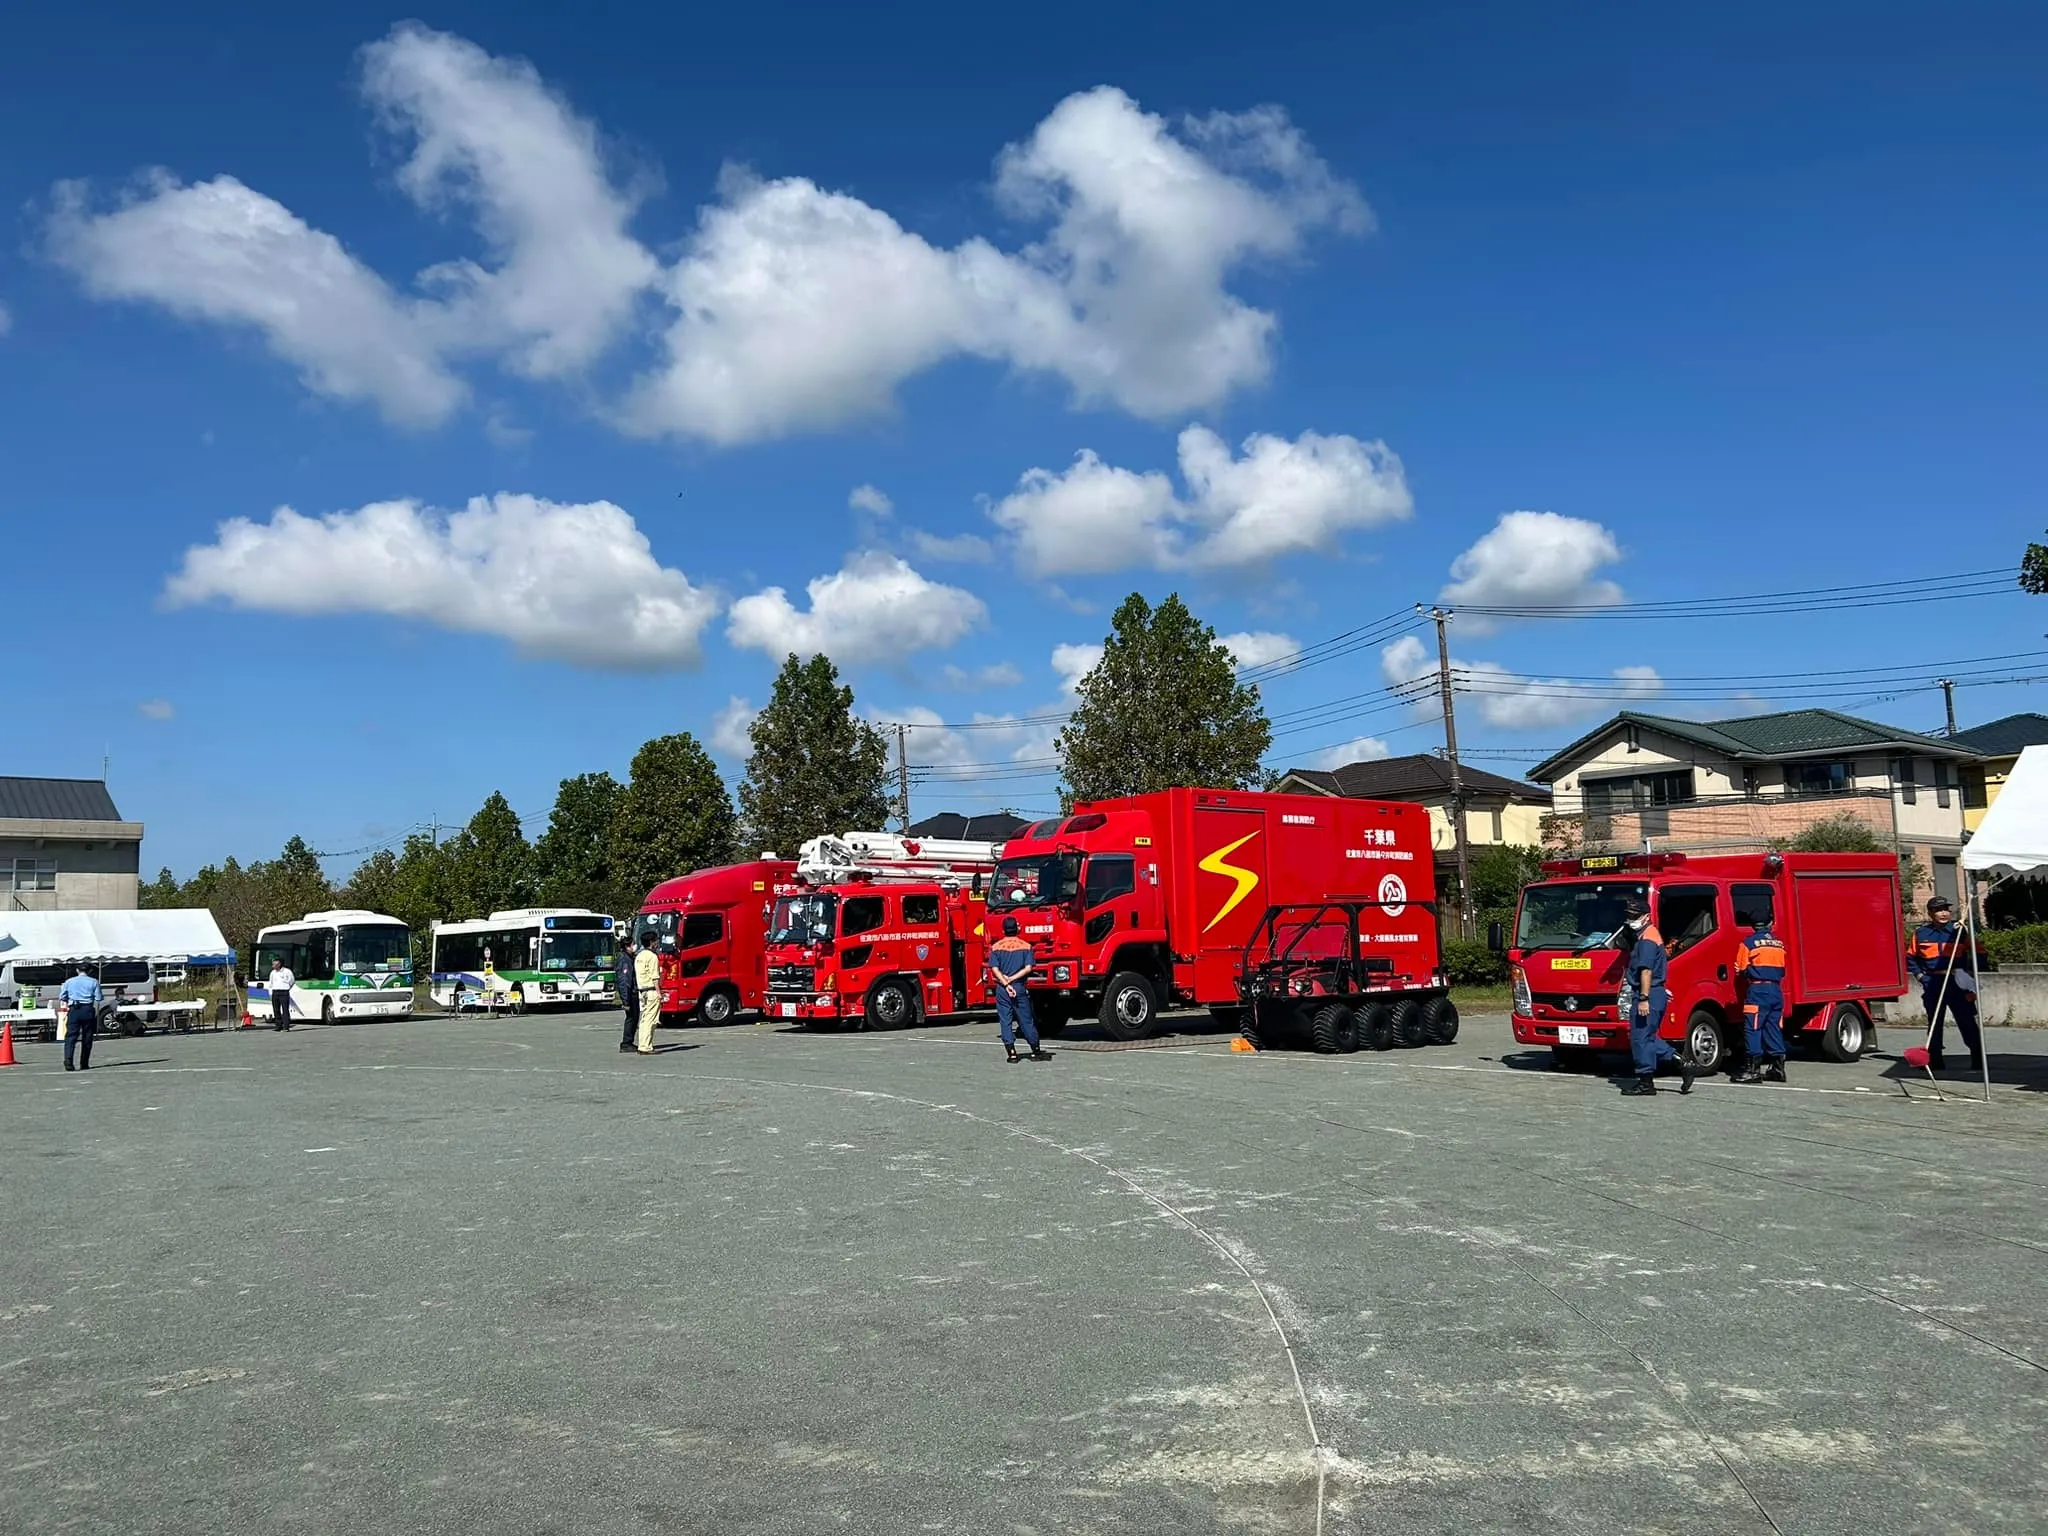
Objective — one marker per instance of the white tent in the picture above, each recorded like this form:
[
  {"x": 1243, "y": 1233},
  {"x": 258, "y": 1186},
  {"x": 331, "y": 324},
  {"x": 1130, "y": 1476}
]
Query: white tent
[
  {"x": 173, "y": 936},
  {"x": 2013, "y": 837}
]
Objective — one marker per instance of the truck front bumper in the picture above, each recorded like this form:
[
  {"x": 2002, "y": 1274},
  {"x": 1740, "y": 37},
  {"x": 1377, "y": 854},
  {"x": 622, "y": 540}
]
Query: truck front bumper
[
  {"x": 808, "y": 1007},
  {"x": 1589, "y": 1032}
]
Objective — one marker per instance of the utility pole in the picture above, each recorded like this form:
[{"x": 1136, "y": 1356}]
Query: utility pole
[
  {"x": 903, "y": 775},
  {"x": 1443, "y": 679},
  {"x": 1948, "y": 699}
]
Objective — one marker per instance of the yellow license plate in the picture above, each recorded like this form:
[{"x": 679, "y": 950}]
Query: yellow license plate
[{"x": 1571, "y": 965}]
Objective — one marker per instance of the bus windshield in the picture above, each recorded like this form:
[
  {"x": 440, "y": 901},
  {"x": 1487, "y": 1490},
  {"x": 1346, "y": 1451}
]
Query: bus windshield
[
  {"x": 803, "y": 919},
  {"x": 386, "y": 947},
  {"x": 1040, "y": 881},
  {"x": 587, "y": 950},
  {"x": 1575, "y": 914}
]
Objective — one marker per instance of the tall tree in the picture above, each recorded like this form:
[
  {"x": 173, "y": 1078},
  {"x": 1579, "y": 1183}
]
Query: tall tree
[
  {"x": 490, "y": 862},
  {"x": 2034, "y": 569},
  {"x": 292, "y": 884},
  {"x": 373, "y": 886},
  {"x": 816, "y": 766},
  {"x": 160, "y": 892},
  {"x": 573, "y": 857},
  {"x": 1162, "y": 709},
  {"x": 674, "y": 817}
]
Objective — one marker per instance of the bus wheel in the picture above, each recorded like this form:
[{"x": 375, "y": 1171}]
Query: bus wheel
[
  {"x": 1847, "y": 1035},
  {"x": 1703, "y": 1042},
  {"x": 890, "y": 1006},
  {"x": 1408, "y": 1023},
  {"x": 1130, "y": 1006},
  {"x": 1376, "y": 1026},
  {"x": 326, "y": 1010},
  {"x": 1440, "y": 1021},
  {"x": 1334, "y": 1029},
  {"x": 716, "y": 1006}
]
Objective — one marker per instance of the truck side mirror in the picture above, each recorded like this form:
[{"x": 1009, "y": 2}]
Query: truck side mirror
[{"x": 1496, "y": 938}]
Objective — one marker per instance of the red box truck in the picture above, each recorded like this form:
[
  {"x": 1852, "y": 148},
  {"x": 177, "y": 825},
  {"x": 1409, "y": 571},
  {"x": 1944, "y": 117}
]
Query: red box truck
[
  {"x": 710, "y": 930},
  {"x": 1178, "y": 896},
  {"x": 1838, "y": 914}
]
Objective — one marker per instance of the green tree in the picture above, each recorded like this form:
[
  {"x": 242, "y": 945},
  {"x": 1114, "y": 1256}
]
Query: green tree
[
  {"x": 1163, "y": 708},
  {"x": 1498, "y": 874},
  {"x": 573, "y": 857},
  {"x": 490, "y": 862},
  {"x": 815, "y": 767},
  {"x": 292, "y": 884},
  {"x": 674, "y": 817},
  {"x": 234, "y": 896},
  {"x": 163, "y": 891},
  {"x": 2034, "y": 569},
  {"x": 374, "y": 884}
]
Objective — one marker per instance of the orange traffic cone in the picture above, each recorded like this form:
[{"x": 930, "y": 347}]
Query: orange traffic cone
[
  {"x": 247, "y": 1022},
  {"x": 1242, "y": 1045},
  {"x": 7, "y": 1044}
]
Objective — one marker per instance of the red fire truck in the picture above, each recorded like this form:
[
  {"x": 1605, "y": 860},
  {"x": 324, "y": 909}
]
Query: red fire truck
[
  {"x": 1838, "y": 914},
  {"x": 883, "y": 931},
  {"x": 1183, "y": 894},
  {"x": 710, "y": 931}
]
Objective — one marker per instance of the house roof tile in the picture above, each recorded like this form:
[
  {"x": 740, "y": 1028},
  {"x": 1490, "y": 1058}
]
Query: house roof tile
[
  {"x": 56, "y": 800},
  {"x": 2005, "y": 738}
]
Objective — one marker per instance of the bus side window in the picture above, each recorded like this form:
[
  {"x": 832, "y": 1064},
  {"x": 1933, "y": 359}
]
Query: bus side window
[{"x": 320, "y": 957}]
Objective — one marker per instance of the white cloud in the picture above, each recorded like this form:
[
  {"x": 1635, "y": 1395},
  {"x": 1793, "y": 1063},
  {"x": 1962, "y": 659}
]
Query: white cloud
[
  {"x": 576, "y": 583},
  {"x": 156, "y": 709},
  {"x": 1278, "y": 498},
  {"x": 1261, "y": 647},
  {"x": 992, "y": 739},
  {"x": 868, "y": 498},
  {"x": 997, "y": 675},
  {"x": 877, "y": 607},
  {"x": 1074, "y": 662},
  {"x": 730, "y": 728},
  {"x": 1539, "y": 559},
  {"x": 958, "y": 548},
  {"x": 221, "y": 252},
  {"x": 1360, "y": 749},
  {"x": 1512, "y": 700}
]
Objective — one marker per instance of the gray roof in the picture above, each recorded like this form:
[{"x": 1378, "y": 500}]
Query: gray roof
[
  {"x": 1786, "y": 735},
  {"x": 56, "y": 800},
  {"x": 2005, "y": 738},
  {"x": 1419, "y": 776}
]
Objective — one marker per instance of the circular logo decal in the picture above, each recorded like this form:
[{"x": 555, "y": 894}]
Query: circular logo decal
[
  {"x": 923, "y": 950},
  {"x": 1394, "y": 895}
]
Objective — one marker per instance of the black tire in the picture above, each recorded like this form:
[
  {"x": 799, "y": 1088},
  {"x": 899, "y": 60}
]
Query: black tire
[
  {"x": 1376, "y": 1026},
  {"x": 326, "y": 1010},
  {"x": 717, "y": 1006},
  {"x": 1407, "y": 1023},
  {"x": 1440, "y": 1021},
  {"x": 1130, "y": 1006},
  {"x": 1847, "y": 1035},
  {"x": 1705, "y": 1046},
  {"x": 1334, "y": 1029},
  {"x": 891, "y": 1005}
]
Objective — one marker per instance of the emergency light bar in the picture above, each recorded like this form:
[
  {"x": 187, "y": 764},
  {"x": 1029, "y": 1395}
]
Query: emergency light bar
[{"x": 1610, "y": 863}]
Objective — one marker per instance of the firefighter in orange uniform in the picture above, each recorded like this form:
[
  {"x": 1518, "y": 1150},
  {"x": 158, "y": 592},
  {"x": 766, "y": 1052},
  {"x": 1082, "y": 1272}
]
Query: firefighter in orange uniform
[
  {"x": 1009, "y": 968},
  {"x": 1760, "y": 969}
]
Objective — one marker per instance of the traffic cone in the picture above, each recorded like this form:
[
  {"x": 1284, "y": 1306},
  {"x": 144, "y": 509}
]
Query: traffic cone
[
  {"x": 1242, "y": 1045},
  {"x": 247, "y": 1022},
  {"x": 7, "y": 1044}
]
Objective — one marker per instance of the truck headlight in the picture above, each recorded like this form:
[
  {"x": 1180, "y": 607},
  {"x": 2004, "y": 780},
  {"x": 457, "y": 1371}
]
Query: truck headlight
[
  {"x": 1063, "y": 973},
  {"x": 1524, "y": 1004}
]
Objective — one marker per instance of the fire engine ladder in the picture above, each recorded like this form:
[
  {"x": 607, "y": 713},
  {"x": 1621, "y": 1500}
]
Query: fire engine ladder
[{"x": 885, "y": 857}]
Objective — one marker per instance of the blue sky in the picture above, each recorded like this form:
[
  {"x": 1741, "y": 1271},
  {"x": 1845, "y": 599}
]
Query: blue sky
[{"x": 1745, "y": 301}]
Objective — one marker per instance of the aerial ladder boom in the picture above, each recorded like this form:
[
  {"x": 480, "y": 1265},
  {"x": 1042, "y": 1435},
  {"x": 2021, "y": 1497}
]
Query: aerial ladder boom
[{"x": 886, "y": 857}]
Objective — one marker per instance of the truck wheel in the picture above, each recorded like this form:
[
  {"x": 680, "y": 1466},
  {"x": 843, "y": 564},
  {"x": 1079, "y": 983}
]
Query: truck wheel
[
  {"x": 1130, "y": 1006},
  {"x": 1703, "y": 1042},
  {"x": 1847, "y": 1034},
  {"x": 890, "y": 1006},
  {"x": 1440, "y": 1021},
  {"x": 717, "y": 1006},
  {"x": 1407, "y": 1023},
  {"x": 1334, "y": 1029},
  {"x": 1376, "y": 1026}
]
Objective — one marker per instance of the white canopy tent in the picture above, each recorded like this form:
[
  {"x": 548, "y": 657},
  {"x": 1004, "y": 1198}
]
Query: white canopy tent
[{"x": 171, "y": 936}]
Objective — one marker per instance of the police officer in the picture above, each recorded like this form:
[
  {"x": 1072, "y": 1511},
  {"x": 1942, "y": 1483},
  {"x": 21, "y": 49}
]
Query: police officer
[
  {"x": 1760, "y": 964},
  {"x": 81, "y": 995},
  {"x": 1646, "y": 967},
  {"x": 1948, "y": 981},
  {"x": 1009, "y": 967},
  {"x": 629, "y": 991}
]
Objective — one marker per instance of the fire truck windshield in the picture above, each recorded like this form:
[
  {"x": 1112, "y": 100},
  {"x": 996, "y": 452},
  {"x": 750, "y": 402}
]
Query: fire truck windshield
[
  {"x": 1574, "y": 914},
  {"x": 803, "y": 919},
  {"x": 1040, "y": 881}
]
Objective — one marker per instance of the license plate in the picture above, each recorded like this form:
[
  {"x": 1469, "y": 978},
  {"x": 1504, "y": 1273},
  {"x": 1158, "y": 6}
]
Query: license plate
[
  {"x": 1572, "y": 1034},
  {"x": 789, "y": 1010},
  {"x": 1582, "y": 964}
]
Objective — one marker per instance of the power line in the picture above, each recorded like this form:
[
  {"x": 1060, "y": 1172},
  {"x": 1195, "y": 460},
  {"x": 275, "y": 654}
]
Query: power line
[{"x": 1960, "y": 586}]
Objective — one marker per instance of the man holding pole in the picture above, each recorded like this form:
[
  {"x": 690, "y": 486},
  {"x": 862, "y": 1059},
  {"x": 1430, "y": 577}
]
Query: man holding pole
[{"x": 1942, "y": 964}]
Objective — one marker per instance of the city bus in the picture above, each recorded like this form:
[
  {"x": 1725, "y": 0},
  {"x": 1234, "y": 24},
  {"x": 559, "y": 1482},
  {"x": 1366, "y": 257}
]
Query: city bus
[
  {"x": 524, "y": 958},
  {"x": 344, "y": 965}
]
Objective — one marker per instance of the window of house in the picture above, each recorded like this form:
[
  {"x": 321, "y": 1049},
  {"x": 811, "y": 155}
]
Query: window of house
[
  {"x": 1638, "y": 792},
  {"x": 1974, "y": 793},
  {"x": 1499, "y": 836},
  {"x": 1109, "y": 875},
  {"x": 1754, "y": 904},
  {"x": 920, "y": 910},
  {"x": 1685, "y": 915},
  {"x": 1909, "y": 788},
  {"x": 34, "y": 875},
  {"x": 1941, "y": 784},
  {"x": 1822, "y": 778},
  {"x": 701, "y": 928},
  {"x": 860, "y": 914}
]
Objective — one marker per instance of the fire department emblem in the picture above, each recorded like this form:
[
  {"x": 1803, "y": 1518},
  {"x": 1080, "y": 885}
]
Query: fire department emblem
[
  {"x": 1393, "y": 896},
  {"x": 923, "y": 950}
]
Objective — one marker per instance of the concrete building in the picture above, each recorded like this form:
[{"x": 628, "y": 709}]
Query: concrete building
[
  {"x": 1999, "y": 745},
  {"x": 1696, "y": 786},
  {"x": 64, "y": 847}
]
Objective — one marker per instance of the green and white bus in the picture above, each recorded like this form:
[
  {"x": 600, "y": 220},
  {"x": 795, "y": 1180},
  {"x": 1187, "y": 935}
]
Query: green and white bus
[
  {"x": 344, "y": 965},
  {"x": 525, "y": 958}
]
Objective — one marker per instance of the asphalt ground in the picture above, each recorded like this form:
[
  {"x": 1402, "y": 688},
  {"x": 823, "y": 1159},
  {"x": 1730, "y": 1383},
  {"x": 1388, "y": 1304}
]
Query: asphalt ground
[{"x": 492, "y": 1276}]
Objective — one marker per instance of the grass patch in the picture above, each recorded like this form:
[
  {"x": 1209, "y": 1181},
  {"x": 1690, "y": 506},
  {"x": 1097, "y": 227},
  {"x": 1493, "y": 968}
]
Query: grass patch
[{"x": 1482, "y": 999}]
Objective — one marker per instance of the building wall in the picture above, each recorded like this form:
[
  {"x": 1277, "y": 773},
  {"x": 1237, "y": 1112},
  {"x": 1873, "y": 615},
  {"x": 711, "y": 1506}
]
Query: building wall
[
  {"x": 1996, "y": 771},
  {"x": 1713, "y": 773},
  {"x": 97, "y": 872},
  {"x": 1489, "y": 824}
]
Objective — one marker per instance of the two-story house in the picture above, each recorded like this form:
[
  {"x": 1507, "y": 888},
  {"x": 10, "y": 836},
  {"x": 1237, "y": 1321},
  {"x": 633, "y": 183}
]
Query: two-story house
[
  {"x": 1698, "y": 785},
  {"x": 1999, "y": 745}
]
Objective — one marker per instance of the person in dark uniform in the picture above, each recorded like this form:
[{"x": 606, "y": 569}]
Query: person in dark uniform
[
  {"x": 1760, "y": 967},
  {"x": 1646, "y": 966},
  {"x": 1947, "y": 974},
  {"x": 1009, "y": 967},
  {"x": 82, "y": 999},
  {"x": 629, "y": 991}
]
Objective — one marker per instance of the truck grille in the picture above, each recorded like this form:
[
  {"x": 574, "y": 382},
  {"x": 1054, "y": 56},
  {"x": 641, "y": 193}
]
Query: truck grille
[
  {"x": 792, "y": 978},
  {"x": 1575, "y": 1002}
]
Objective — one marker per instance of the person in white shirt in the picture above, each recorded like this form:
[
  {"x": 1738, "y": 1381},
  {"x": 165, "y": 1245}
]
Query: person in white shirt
[{"x": 281, "y": 980}]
